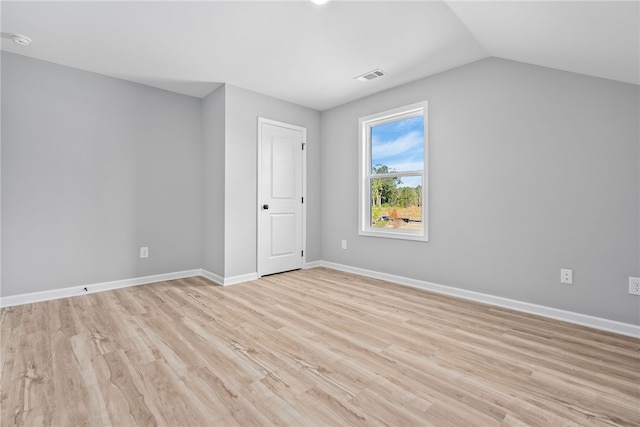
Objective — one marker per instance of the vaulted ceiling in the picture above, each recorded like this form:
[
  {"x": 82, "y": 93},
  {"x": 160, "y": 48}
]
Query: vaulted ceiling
[{"x": 307, "y": 54}]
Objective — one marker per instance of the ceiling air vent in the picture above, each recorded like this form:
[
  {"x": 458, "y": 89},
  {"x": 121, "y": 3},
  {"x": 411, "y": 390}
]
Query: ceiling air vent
[{"x": 370, "y": 75}]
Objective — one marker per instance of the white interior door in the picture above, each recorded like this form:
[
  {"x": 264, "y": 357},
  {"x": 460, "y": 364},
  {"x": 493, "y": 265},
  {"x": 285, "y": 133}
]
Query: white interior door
[{"x": 280, "y": 196}]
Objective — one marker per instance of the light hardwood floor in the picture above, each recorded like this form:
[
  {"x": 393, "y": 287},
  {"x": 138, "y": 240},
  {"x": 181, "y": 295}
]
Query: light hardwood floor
[{"x": 307, "y": 348}]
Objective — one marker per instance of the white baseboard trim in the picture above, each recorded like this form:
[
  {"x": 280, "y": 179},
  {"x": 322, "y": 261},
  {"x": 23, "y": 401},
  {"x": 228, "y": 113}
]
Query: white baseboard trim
[
  {"x": 621, "y": 328},
  {"x": 227, "y": 281},
  {"x": 218, "y": 280},
  {"x": 73, "y": 291},
  {"x": 312, "y": 264},
  {"x": 553, "y": 313},
  {"x": 234, "y": 280}
]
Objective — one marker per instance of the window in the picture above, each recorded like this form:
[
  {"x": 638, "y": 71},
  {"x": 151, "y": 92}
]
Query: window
[{"x": 393, "y": 179}]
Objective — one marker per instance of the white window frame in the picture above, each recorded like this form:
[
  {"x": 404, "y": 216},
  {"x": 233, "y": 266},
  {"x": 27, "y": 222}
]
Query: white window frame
[{"x": 365, "y": 124}]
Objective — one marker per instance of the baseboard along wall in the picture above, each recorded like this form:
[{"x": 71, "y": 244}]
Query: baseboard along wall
[
  {"x": 75, "y": 291},
  {"x": 549, "y": 312},
  {"x": 540, "y": 310}
]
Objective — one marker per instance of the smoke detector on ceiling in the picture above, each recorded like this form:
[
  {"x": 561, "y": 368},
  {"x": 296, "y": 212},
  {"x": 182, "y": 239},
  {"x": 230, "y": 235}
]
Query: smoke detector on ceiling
[
  {"x": 370, "y": 75},
  {"x": 20, "y": 39}
]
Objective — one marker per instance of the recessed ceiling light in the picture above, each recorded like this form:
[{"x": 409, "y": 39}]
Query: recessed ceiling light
[
  {"x": 319, "y": 2},
  {"x": 20, "y": 39},
  {"x": 370, "y": 75}
]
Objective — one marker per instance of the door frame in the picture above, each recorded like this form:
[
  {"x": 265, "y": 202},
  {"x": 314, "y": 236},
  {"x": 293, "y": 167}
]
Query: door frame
[{"x": 261, "y": 121}]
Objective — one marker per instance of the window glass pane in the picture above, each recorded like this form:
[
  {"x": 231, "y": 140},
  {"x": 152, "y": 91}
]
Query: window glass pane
[
  {"x": 398, "y": 146},
  {"x": 396, "y": 202}
]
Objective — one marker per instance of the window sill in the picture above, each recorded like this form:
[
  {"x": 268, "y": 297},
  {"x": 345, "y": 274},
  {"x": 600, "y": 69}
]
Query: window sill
[{"x": 394, "y": 235}]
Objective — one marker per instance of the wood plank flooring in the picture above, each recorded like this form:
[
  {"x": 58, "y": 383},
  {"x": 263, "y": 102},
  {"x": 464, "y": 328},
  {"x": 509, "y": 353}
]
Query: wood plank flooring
[{"x": 306, "y": 348}]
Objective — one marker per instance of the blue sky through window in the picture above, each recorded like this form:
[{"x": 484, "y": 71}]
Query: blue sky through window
[{"x": 400, "y": 146}]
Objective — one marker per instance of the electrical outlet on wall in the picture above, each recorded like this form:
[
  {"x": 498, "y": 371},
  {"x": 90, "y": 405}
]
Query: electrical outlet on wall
[
  {"x": 566, "y": 276},
  {"x": 144, "y": 252},
  {"x": 634, "y": 285},
  {"x": 344, "y": 244}
]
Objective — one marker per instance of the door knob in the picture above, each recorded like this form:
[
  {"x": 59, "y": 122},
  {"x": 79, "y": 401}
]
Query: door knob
[{"x": 265, "y": 207}]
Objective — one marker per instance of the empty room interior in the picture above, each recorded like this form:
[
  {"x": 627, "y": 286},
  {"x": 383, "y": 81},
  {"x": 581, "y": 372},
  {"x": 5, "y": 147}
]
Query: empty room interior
[{"x": 320, "y": 213}]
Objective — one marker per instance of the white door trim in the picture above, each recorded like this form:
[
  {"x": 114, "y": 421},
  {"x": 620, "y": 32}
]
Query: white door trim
[{"x": 261, "y": 121}]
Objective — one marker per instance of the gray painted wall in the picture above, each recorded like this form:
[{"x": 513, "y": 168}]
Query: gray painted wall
[
  {"x": 213, "y": 134},
  {"x": 93, "y": 168},
  {"x": 243, "y": 109},
  {"x": 531, "y": 170}
]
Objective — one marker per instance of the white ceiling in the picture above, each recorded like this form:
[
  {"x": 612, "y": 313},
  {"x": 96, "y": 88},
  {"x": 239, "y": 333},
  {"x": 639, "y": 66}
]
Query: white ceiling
[{"x": 307, "y": 54}]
